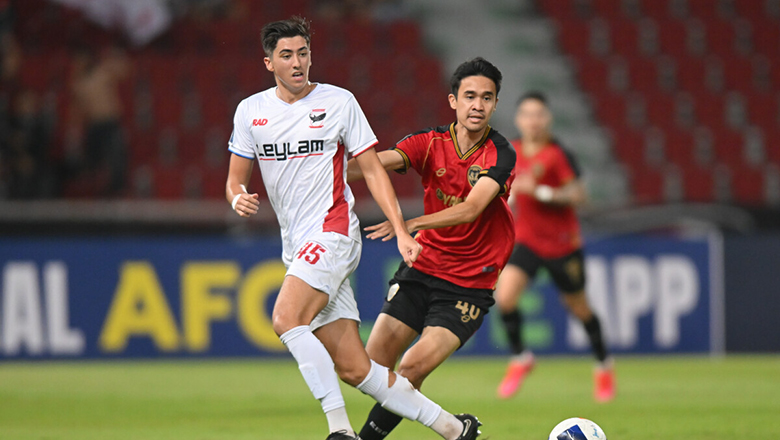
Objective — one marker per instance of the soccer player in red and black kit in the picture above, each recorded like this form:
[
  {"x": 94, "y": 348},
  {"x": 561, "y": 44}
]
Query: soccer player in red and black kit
[
  {"x": 466, "y": 236},
  {"x": 547, "y": 234}
]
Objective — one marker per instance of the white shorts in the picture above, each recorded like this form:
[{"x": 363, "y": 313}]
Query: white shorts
[{"x": 324, "y": 262}]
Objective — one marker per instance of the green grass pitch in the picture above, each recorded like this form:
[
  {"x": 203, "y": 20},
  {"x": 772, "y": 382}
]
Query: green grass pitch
[{"x": 737, "y": 397}]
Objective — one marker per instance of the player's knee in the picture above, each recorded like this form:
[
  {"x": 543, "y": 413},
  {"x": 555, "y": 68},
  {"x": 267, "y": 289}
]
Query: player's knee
[
  {"x": 283, "y": 322},
  {"x": 414, "y": 372},
  {"x": 505, "y": 303},
  {"x": 578, "y": 306},
  {"x": 352, "y": 374}
]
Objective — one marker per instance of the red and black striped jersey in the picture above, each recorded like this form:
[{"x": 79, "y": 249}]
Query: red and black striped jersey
[
  {"x": 551, "y": 231},
  {"x": 470, "y": 254}
]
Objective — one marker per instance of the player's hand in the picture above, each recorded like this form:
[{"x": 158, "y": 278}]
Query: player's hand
[
  {"x": 524, "y": 183},
  {"x": 384, "y": 230},
  {"x": 409, "y": 248},
  {"x": 247, "y": 204}
]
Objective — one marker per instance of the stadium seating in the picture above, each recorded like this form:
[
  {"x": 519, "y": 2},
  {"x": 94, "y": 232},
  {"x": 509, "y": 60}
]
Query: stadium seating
[
  {"x": 185, "y": 85},
  {"x": 697, "y": 77}
]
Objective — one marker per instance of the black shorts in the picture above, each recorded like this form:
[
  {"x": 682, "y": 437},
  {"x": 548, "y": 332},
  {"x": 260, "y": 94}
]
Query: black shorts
[
  {"x": 567, "y": 272},
  {"x": 422, "y": 300}
]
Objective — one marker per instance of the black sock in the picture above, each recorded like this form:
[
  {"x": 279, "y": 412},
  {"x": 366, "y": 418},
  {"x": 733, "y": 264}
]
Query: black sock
[
  {"x": 593, "y": 328},
  {"x": 379, "y": 423},
  {"x": 513, "y": 322}
]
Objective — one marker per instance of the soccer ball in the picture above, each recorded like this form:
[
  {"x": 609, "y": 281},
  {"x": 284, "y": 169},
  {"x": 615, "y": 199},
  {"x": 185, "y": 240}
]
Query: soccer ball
[{"x": 577, "y": 429}]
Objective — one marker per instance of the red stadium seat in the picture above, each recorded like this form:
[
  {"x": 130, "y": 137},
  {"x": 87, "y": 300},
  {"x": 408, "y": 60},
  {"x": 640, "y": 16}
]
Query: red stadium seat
[
  {"x": 574, "y": 36},
  {"x": 592, "y": 73},
  {"x": 698, "y": 184},
  {"x": 644, "y": 75},
  {"x": 678, "y": 146},
  {"x": 703, "y": 9},
  {"x": 656, "y": 9},
  {"x": 721, "y": 38},
  {"x": 766, "y": 37},
  {"x": 405, "y": 37},
  {"x": 747, "y": 185},
  {"x": 728, "y": 146},
  {"x": 672, "y": 36},
  {"x": 628, "y": 145},
  {"x": 648, "y": 185},
  {"x": 558, "y": 8},
  {"x": 623, "y": 35}
]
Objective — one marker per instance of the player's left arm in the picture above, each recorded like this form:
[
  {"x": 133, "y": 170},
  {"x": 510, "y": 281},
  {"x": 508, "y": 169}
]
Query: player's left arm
[
  {"x": 382, "y": 190},
  {"x": 484, "y": 191},
  {"x": 390, "y": 159},
  {"x": 571, "y": 194}
]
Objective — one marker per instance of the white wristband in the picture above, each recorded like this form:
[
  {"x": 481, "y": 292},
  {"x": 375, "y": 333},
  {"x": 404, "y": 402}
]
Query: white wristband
[
  {"x": 544, "y": 193},
  {"x": 235, "y": 199}
]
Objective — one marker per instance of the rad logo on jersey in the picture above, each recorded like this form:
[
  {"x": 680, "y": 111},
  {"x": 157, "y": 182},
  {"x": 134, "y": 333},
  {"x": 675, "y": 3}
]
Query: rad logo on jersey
[
  {"x": 316, "y": 116},
  {"x": 259, "y": 122}
]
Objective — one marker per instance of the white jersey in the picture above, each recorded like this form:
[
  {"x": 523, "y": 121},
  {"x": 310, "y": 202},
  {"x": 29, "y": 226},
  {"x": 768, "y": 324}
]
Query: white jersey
[{"x": 300, "y": 148}]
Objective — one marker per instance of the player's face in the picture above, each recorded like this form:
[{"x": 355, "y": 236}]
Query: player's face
[
  {"x": 290, "y": 63},
  {"x": 475, "y": 103},
  {"x": 533, "y": 120}
]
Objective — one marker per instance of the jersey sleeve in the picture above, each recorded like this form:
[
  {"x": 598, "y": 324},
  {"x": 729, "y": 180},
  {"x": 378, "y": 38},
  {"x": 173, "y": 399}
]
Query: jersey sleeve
[
  {"x": 566, "y": 167},
  {"x": 356, "y": 133},
  {"x": 411, "y": 148},
  {"x": 505, "y": 161},
  {"x": 240, "y": 142}
]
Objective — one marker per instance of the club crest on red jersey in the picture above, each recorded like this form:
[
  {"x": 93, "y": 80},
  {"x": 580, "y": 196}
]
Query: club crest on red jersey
[
  {"x": 316, "y": 116},
  {"x": 473, "y": 174},
  {"x": 537, "y": 169}
]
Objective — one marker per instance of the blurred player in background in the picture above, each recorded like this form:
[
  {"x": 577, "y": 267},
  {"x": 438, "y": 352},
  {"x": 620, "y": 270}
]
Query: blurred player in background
[
  {"x": 300, "y": 133},
  {"x": 466, "y": 232},
  {"x": 547, "y": 234}
]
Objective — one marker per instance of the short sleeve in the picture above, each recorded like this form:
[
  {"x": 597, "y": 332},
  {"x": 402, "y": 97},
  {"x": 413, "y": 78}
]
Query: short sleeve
[
  {"x": 412, "y": 149},
  {"x": 566, "y": 167},
  {"x": 356, "y": 133},
  {"x": 505, "y": 161},
  {"x": 241, "y": 139}
]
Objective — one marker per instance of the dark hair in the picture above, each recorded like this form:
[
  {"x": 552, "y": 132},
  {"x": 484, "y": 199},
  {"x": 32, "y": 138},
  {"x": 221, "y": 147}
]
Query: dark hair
[
  {"x": 535, "y": 95},
  {"x": 476, "y": 67},
  {"x": 293, "y": 27}
]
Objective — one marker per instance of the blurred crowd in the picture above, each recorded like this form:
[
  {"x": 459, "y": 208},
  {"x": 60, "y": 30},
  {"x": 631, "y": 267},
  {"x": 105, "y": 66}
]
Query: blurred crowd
[{"x": 41, "y": 156}]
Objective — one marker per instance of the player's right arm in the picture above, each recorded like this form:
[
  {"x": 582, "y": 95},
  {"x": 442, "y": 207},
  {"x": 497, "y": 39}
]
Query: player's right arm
[
  {"x": 240, "y": 169},
  {"x": 485, "y": 190},
  {"x": 239, "y": 173}
]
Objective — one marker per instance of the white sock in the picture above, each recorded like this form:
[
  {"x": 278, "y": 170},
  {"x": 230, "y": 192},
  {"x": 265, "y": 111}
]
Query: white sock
[
  {"x": 404, "y": 400},
  {"x": 318, "y": 371},
  {"x": 447, "y": 426},
  {"x": 338, "y": 420}
]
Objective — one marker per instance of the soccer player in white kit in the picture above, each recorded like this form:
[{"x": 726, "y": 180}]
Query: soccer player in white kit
[{"x": 300, "y": 134}]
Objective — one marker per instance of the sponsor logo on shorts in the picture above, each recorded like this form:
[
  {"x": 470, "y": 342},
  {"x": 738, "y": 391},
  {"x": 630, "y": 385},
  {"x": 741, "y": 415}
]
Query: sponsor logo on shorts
[
  {"x": 573, "y": 269},
  {"x": 392, "y": 291}
]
